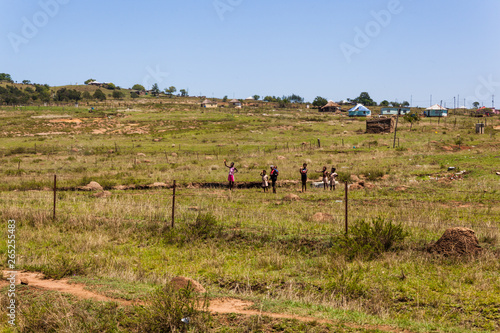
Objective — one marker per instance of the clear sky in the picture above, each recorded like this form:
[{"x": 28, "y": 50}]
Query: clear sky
[{"x": 393, "y": 49}]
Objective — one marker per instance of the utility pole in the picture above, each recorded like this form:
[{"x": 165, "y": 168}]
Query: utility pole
[{"x": 396, "y": 128}]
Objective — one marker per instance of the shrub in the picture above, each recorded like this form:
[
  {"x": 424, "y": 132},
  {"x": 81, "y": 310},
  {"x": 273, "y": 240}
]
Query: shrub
[
  {"x": 175, "y": 311},
  {"x": 346, "y": 283},
  {"x": 370, "y": 239},
  {"x": 204, "y": 227},
  {"x": 373, "y": 174},
  {"x": 344, "y": 177}
]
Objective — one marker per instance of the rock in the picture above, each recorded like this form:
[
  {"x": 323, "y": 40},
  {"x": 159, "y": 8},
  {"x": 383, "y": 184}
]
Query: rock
[
  {"x": 194, "y": 208},
  {"x": 141, "y": 154},
  {"x": 322, "y": 217},
  {"x": 281, "y": 158},
  {"x": 146, "y": 161},
  {"x": 24, "y": 282},
  {"x": 355, "y": 178},
  {"x": 181, "y": 282},
  {"x": 92, "y": 186},
  {"x": 157, "y": 185},
  {"x": 157, "y": 140},
  {"x": 123, "y": 187},
  {"x": 103, "y": 194},
  {"x": 76, "y": 150},
  {"x": 291, "y": 197},
  {"x": 355, "y": 186},
  {"x": 174, "y": 154},
  {"x": 456, "y": 241},
  {"x": 209, "y": 157}
]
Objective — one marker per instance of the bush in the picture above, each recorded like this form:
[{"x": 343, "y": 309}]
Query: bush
[
  {"x": 175, "y": 311},
  {"x": 369, "y": 239},
  {"x": 344, "y": 177},
  {"x": 204, "y": 227},
  {"x": 373, "y": 174},
  {"x": 346, "y": 283}
]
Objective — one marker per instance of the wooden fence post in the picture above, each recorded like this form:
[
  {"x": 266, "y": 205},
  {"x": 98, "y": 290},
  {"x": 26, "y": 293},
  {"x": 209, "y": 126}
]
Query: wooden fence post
[
  {"x": 173, "y": 206},
  {"x": 55, "y": 192},
  {"x": 346, "y": 208}
]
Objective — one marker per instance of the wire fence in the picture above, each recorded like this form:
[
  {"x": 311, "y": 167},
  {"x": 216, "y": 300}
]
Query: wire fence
[{"x": 165, "y": 205}]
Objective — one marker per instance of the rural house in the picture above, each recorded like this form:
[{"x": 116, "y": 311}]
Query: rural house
[
  {"x": 208, "y": 104},
  {"x": 331, "y": 106},
  {"x": 360, "y": 111}
]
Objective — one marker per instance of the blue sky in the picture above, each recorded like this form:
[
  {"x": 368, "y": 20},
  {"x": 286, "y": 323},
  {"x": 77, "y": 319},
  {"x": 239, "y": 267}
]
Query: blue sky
[{"x": 393, "y": 49}]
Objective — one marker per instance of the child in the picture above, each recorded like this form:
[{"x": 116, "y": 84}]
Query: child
[
  {"x": 303, "y": 176},
  {"x": 325, "y": 177},
  {"x": 230, "y": 177},
  {"x": 274, "y": 176},
  {"x": 265, "y": 180},
  {"x": 333, "y": 175}
]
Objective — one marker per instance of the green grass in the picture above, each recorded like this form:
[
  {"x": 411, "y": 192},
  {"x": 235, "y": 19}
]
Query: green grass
[{"x": 256, "y": 245}]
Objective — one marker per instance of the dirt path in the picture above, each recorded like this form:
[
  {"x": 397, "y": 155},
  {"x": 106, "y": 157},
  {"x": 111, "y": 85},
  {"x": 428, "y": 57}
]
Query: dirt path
[{"x": 218, "y": 305}]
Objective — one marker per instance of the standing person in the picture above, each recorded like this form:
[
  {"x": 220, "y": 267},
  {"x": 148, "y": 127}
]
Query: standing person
[
  {"x": 325, "y": 177},
  {"x": 333, "y": 176},
  {"x": 274, "y": 176},
  {"x": 265, "y": 180},
  {"x": 303, "y": 176},
  {"x": 232, "y": 171}
]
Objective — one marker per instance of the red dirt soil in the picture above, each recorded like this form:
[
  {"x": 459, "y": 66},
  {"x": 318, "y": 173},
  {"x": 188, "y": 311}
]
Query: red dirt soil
[{"x": 218, "y": 305}]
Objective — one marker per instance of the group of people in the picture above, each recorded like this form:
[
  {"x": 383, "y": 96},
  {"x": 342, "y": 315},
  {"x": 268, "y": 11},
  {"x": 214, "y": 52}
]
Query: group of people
[{"x": 328, "y": 177}]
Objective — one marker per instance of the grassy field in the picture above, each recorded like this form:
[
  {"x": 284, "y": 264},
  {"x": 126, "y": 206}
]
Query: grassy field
[{"x": 286, "y": 256}]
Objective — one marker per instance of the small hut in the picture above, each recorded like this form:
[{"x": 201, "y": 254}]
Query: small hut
[
  {"x": 331, "y": 106},
  {"x": 380, "y": 125},
  {"x": 235, "y": 103},
  {"x": 208, "y": 104},
  {"x": 360, "y": 111},
  {"x": 436, "y": 111}
]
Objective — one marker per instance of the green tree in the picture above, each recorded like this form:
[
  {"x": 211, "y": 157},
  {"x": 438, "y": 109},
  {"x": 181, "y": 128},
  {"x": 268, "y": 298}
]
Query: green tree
[
  {"x": 138, "y": 87},
  {"x": 476, "y": 104},
  {"x": 384, "y": 103},
  {"x": 64, "y": 94},
  {"x": 183, "y": 92},
  {"x": 118, "y": 94},
  {"x": 365, "y": 99},
  {"x": 98, "y": 94},
  {"x": 224, "y": 99},
  {"x": 133, "y": 94},
  {"x": 319, "y": 102},
  {"x": 283, "y": 102},
  {"x": 26, "y": 82},
  {"x": 405, "y": 103},
  {"x": 6, "y": 77},
  {"x": 170, "y": 91},
  {"x": 412, "y": 117},
  {"x": 256, "y": 97},
  {"x": 295, "y": 98},
  {"x": 86, "y": 95},
  {"x": 155, "y": 90},
  {"x": 89, "y": 80},
  {"x": 110, "y": 86}
]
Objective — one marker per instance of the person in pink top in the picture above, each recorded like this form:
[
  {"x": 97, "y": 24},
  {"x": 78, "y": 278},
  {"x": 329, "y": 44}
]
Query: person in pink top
[{"x": 232, "y": 171}]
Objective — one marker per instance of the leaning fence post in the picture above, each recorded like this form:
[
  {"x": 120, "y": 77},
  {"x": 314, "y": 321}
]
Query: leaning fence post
[
  {"x": 346, "y": 208},
  {"x": 55, "y": 192},
  {"x": 173, "y": 206}
]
